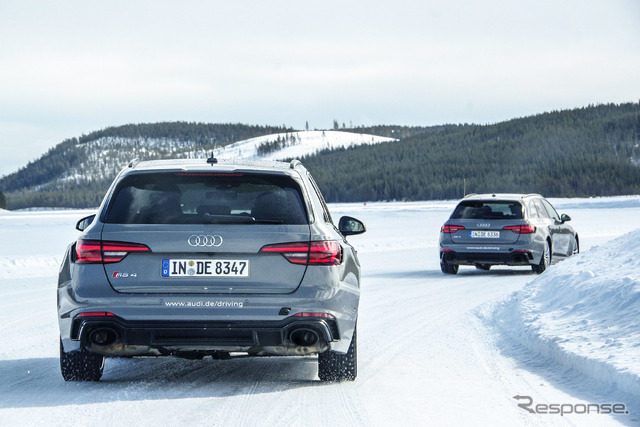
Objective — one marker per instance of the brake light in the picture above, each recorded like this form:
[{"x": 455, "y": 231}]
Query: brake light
[
  {"x": 209, "y": 174},
  {"x": 325, "y": 252},
  {"x": 450, "y": 229},
  {"x": 521, "y": 229},
  {"x": 98, "y": 251}
]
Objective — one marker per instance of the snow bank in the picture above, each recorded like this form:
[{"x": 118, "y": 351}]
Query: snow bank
[
  {"x": 584, "y": 313},
  {"x": 33, "y": 243},
  {"x": 29, "y": 266}
]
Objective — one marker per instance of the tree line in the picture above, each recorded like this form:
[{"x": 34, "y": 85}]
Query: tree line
[{"x": 200, "y": 133}]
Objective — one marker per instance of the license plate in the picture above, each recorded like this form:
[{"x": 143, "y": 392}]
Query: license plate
[
  {"x": 483, "y": 234},
  {"x": 205, "y": 268}
]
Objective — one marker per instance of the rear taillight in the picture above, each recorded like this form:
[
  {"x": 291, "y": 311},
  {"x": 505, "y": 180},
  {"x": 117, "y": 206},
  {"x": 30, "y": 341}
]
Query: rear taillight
[
  {"x": 326, "y": 252},
  {"x": 521, "y": 229},
  {"x": 99, "y": 252},
  {"x": 449, "y": 229}
]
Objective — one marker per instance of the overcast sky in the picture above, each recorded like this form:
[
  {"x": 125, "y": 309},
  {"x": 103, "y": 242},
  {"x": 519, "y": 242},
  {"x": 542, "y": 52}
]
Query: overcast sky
[{"x": 68, "y": 68}]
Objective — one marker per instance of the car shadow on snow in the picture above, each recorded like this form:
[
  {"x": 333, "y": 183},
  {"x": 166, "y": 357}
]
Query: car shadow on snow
[
  {"x": 437, "y": 274},
  {"x": 37, "y": 382}
]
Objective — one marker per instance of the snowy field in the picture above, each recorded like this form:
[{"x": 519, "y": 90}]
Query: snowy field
[{"x": 433, "y": 349}]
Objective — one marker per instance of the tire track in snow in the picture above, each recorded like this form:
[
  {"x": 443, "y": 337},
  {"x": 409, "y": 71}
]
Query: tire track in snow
[
  {"x": 240, "y": 415},
  {"x": 346, "y": 393}
]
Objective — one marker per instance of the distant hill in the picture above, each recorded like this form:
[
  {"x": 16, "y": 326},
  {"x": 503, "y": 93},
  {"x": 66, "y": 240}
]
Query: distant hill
[
  {"x": 77, "y": 172},
  {"x": 591, "y": 151}
]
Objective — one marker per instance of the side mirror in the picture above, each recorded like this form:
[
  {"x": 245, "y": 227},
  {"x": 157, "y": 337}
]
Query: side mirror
[
  {"x": 565, "y": 218},
  {"x": 350, "y": 226},
  {"x": 85, "y": 222}
]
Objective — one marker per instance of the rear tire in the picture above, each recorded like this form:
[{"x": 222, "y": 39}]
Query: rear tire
[
  {"x": 545, "y": 260},
  {"x": 448, "y": 268},
  {"x": 576, "y": 246},
  {"x": 334, "y": 366},
  {"x": 80, "y": 365}
]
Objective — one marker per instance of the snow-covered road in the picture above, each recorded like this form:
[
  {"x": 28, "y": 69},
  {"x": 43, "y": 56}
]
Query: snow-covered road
[{"x": 429, "y": 352}]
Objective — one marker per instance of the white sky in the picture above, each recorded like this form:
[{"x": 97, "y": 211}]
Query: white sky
[{"x": 68, "y": 68}]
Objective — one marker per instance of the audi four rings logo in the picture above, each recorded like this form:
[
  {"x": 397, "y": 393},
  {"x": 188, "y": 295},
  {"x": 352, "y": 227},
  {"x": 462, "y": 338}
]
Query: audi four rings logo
[{"x": 205, "y": 240}]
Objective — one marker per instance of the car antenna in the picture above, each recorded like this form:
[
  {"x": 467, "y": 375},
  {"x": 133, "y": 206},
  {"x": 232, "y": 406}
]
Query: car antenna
[{"x": 212, "y": 160}]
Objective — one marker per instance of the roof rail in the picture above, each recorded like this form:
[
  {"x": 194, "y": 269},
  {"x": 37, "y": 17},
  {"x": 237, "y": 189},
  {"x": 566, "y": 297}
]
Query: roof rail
[
  {"x": 294, "y": 163},
  {"x": 133, "y": 163}
]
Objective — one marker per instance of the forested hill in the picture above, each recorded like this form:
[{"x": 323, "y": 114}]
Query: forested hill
[
  {"x": 77, "y": 172},
  {"x": 591, "y": 151}
]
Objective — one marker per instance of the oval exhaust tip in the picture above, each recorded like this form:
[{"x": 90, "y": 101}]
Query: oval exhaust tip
[
  {"x": 103, "y": 336},
  {"x": 304, "y": 337}
]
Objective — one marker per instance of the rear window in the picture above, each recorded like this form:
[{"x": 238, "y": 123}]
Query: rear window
[
  {"x": 480, "y": 209},
  {"x": 206, "y": 198}
]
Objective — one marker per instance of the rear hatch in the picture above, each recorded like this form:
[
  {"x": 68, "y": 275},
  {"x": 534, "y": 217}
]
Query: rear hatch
[
  {"x": 485, "y": 222},
  {"x": 205, "y": 259},
  {"x": 204, "y": 232}
]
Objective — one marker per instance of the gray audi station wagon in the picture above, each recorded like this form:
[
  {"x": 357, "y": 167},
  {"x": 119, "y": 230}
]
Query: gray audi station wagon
[
  {"x": 506, "y": 229},
  {"x": 195, "y": 258}
]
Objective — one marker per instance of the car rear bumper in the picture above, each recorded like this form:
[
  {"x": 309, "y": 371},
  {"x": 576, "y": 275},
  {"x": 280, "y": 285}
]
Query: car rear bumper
[
  {"x": 520, "y": 257},
  {"x": 114, "y": 336}
]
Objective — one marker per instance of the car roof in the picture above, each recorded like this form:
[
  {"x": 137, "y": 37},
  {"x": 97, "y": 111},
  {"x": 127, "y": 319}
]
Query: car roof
[
  {"x": 207, "y": 164},
  {"x": 500, "y": 196}
]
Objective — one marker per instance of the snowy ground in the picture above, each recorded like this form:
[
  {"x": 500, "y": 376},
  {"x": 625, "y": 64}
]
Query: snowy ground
[{"x": 433, "y": 349}]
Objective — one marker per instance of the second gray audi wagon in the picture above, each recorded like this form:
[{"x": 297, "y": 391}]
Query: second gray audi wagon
[
  {"x": 506, "y": 229},
  {"x": 195, "y": 258}
]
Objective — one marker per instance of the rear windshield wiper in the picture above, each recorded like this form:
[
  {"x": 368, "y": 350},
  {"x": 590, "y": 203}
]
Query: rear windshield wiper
[
  {"x": 268, "y": 221},
  {"x": 239, "y": 219},
  {"x": 229, "y": 219}
]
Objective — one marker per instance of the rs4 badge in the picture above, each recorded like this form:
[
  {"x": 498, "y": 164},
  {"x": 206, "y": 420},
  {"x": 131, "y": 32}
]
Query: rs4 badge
[{"x": 120, "y": 275}]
